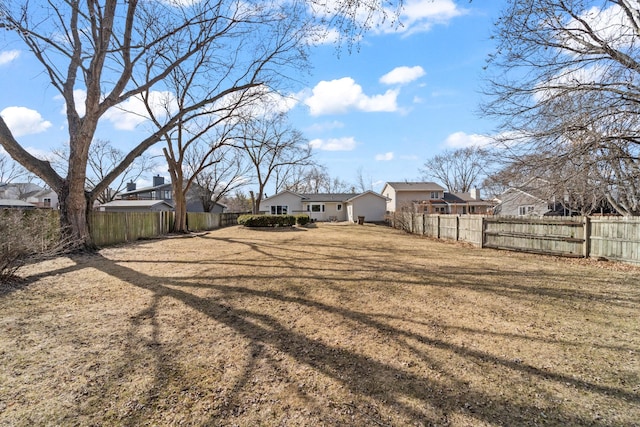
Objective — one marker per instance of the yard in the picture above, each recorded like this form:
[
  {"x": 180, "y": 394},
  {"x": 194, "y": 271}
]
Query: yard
[{"x": 327, "y": 325}]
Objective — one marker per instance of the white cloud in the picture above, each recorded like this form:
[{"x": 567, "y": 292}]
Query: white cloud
[
  {"x": 24, "y": 121},
  {"x": 402, "y": 75},
  {"x": 334, "y": 144},
  {"x": 342, "y": 95},
  {"x": 321, "y": 35},
  {"x": 8, "y": 56},
  {"x": 385, "y": 157},
  {"x": 421, "y": 15},
  {"x": 79, "y": 97},
  {"x": 462, "y": 140},
  {"x": 415, "y": 16},
  {"x": 40, "y": 154},
  {"x": 131, "y": 113},
  {"x": 570, "y": 78},
  {"x": 610, "y": 25}
]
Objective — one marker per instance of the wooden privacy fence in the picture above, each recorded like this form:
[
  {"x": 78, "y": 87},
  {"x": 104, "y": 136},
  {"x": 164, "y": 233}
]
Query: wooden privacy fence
[
  {"x": 614, "y": 238},
  {"x": 110, "y": 228}
]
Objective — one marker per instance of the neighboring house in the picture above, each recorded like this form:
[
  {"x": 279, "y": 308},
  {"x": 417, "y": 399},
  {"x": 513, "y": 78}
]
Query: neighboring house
[
  {"x": 164, "y": 191},
  {"x": 327, "y": 207},
  {"x": 15, "y": 204},
  {"x": 467, "y": 203},
  {"x": 431, "y": 198},
  {"x": 30, "y": 193},
  {"x": 136, "y": 206},
  {"x": 516, "y": 202},
  {"x": 44, "y": 199},
  {"x": 404, "y": 195}
]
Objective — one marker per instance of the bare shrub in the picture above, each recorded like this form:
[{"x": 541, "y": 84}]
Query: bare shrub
[{"x": 25, "y": 235}]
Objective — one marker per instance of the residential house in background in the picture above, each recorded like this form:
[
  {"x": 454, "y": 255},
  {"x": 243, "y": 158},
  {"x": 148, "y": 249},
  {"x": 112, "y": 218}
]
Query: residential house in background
[
  {"x": 30, "y": 193},
  {"x": 15, "y": 204},
  {"x": 467, "y": 203},
  {"x": 431, "y": 198},
  {"x": 327, "y": 207},
  {"x": 518, "y": 202},
  {"x": 404, "y": 195},
  {"x": 159, "y": 191}
]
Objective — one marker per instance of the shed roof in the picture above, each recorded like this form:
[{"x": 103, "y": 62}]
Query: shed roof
[
  {"x": 135, "y": 203},
  {"x": 14, "y": 203}
]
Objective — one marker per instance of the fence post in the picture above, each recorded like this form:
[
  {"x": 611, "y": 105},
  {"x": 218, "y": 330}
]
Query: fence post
[
  {"x": 438, "y": 224},
  {"x": 482, "y": 230},
  {"x": 587, "y": 237},
  {"x": 457, "y": 227}
]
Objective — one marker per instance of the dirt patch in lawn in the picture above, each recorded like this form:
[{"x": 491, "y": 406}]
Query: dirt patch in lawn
[{"x": 331, "y": 325}]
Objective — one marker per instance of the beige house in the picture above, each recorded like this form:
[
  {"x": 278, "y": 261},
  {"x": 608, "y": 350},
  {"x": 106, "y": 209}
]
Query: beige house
[
  {"x": 327, "y": 207},
  {"x": 404, "y": 195},
  {"x": 431, "y": 198}
]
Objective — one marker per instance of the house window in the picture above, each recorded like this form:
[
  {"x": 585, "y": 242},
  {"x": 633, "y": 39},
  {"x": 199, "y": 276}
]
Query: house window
[
  {"x": 317, "y": 208},
  {"x": 339, "y": 207},
  {"x": 47, "y": 203},
  {"x": 435, "y": 195},
  {"x": 525, "y": 210},
  {"x": 279, "y": 210}
]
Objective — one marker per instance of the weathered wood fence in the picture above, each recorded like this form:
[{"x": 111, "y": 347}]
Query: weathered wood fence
[
  {"x": 110, "y": 228},
  {"x": 614, "y": 238}
]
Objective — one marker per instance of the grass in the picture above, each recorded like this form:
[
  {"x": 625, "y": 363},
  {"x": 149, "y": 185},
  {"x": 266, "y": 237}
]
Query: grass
[{"x": 327, "y": 325}]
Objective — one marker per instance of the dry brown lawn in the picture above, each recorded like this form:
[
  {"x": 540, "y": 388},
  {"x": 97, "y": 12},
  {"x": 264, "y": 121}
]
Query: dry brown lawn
[{"x": 330, "y": 325}]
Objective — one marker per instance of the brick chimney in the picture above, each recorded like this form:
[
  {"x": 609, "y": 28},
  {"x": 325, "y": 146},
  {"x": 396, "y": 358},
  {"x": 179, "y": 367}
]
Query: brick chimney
[
  {"x": 158, "y": 180},
  {"x": 131, "y": 186},
  {"x": 475, "y": 193}
]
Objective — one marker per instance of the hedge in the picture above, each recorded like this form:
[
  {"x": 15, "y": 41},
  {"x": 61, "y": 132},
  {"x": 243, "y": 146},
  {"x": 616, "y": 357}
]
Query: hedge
[{"x": 266, "y": 220}]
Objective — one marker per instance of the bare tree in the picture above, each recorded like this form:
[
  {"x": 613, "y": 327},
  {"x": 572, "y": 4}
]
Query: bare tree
[
  {"x": 227, "y": 173},
  {"x": 572, "y": 183},
  {"x": 565, "y": 84},
  {"x": 238, "y": 202},
  {"x": 10, "y": 170},
  {"x": 272, "y": 145},
  {"x": 458, "y": 170},
  {"x": 115, "y": 51},
  {"x": 363, "y": 183},
  {"x": 103, "y": 158},
  {"x": 313, "y": 179}
]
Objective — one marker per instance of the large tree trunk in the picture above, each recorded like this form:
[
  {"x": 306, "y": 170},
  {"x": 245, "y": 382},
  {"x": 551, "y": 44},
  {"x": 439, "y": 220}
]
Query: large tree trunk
[
  {"x": 180, "y": 222},
  {"x": 179, "y": 193},
  {"x": 74, "y": 221}
]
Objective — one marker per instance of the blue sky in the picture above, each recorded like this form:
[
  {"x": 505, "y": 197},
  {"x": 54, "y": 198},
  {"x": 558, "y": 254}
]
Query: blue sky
[{"x": 396, "y": 100}]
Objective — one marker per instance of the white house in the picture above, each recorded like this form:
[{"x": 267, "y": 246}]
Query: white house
[
  {"x": 327, "y": 207},
  {"x": 30, "y": 193}
]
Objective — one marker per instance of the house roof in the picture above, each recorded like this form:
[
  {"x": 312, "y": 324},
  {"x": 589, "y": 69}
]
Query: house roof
[
  {"x": 525, "y": 192},
  {"x": 364, "y": 194},
  {"x": 135, "y": 203},
  {"x": 415, "y": 186},
  {"x": 13, "y": 203},
  {"x": 320, "y": 197},
  {"x": 166, "y": 186},
  {"x": 464, "y": 198}
]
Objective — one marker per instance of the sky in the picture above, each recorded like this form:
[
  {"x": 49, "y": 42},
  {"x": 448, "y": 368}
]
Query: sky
[{"x": 380, "y": 111}]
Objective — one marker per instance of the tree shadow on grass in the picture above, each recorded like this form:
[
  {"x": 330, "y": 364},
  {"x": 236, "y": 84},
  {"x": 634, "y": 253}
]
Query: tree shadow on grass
[{"x": 364, "y": 376}]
